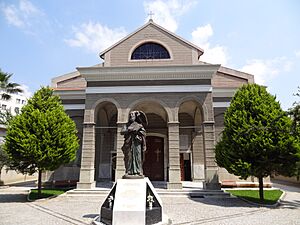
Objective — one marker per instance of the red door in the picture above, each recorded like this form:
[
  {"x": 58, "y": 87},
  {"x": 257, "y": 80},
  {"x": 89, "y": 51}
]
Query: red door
[
  {"x": 154, "y": 158},
  {"x": 182, "y": 167}
]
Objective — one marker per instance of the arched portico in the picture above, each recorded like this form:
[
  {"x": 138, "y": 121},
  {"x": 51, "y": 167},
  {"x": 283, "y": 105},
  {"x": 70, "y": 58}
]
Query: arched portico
[
  {"x": 106, "y": 114},
  {"x": 98, "y": 144},
  {"x": 192, "y": 159},
  {"x": 202, "y": 136}
]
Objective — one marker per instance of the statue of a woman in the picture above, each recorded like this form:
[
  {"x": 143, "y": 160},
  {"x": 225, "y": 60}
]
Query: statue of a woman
[{"x": 134, "y": 143}]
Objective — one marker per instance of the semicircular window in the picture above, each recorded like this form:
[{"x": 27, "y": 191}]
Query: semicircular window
[{"x": 150, "y": 50}]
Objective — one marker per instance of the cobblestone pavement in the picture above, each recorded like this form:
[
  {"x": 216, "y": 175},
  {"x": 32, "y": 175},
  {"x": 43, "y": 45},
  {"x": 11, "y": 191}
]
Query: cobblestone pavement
[{"x": 66, "y": 210}]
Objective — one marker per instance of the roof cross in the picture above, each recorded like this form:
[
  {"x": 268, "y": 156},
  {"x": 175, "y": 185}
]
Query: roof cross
[{"x": 150, "y": 14}]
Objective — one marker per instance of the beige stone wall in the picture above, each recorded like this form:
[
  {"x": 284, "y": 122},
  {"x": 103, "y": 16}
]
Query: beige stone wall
[
  {"x": 180, "y": 52},
  {"x": 227, "y": 81},
  {"x": 11, "y": 176},
  {"x": 288, "y": 179},
  {"x": 225, "y": 176},
  {"x": 219, "y": 122},
  {"x": 77, "y": 82}
]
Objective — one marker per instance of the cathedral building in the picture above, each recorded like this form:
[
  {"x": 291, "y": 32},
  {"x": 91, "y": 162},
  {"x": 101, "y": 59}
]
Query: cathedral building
[{"x": 155, "y": 71}]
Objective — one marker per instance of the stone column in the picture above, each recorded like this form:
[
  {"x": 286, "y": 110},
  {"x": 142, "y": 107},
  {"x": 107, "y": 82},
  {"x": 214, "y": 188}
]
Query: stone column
[
  {"x": 212, "y": 178},
  {"x": 174, "y": 157},
  {"x": 87, "y": 169},
  {"x": 198, "y": 157},
  {"x": 120, "y": 166}
]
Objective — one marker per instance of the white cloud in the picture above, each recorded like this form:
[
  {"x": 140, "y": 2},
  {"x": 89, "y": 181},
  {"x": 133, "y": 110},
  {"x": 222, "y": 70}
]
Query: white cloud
[
  {"x": 12, "y": 16},
  {"x": 21, "y": 15},
  {"x": 297, "y": 53},
  {"x": 28, "y": 8},
  {"x": 212, "y": 54},
  {"x": 26, "y": 91},
  {"x": 167, "y": 13},
  {"x": 266, "y": 70},
  {"x": 215, "y": 55},
  {"x": 95, "y": 37},
  {"x": 201, "y": 35}
]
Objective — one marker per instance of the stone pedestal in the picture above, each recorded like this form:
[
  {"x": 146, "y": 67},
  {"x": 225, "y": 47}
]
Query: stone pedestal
[{"x": 132, "y": 202}]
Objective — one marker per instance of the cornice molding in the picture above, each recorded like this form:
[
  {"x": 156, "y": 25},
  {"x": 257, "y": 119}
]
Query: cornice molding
[
  {"x": 148, "y": 73},
  {"x": 221, "y": 104},
  {"x": 69, "y": 94},
  {"x": 74, "y": 106},
  {"x": 149, "y": 89},
  {"x": 223, "y": 92}
]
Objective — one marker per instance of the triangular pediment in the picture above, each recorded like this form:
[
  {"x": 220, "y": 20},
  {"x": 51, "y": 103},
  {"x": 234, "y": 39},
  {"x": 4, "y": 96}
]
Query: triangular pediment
[
  {"x": 154, "y": 25},
  {"x": 120, "y": 52}
]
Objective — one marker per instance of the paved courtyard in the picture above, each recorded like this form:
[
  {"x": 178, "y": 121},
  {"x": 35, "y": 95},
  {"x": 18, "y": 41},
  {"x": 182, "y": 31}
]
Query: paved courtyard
[{"x": 66, "y": 210}]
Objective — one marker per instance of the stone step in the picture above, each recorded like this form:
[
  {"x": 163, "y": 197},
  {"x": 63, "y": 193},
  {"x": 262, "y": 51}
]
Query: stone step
[
  {"x": 102, "y": 192},
  {"x": 163, "y": 193}
]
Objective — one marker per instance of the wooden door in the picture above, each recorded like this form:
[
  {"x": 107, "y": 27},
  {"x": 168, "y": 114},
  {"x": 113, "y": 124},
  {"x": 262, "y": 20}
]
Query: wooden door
[
  {"x": 185, "y": 167},
  {"x": 182, "y": 167},
  {"x": 153, "y": 165}
]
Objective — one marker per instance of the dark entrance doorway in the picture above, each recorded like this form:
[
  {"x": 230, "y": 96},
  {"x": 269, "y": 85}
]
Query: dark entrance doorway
[
  {"x": 185, "y": 167},
  {"x": 154, "y": 159}
]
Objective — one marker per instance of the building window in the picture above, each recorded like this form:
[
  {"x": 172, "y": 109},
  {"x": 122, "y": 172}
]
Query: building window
[
  {"x": 18, "y": 101},
  {"x": 17, "y": 110},
  {"x": 150, "y": 50},
  {"x": 23, "y": 102},
  {"x": 3, "y": 107}
]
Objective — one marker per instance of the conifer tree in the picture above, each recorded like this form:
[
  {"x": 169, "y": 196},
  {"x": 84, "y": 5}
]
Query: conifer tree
[
  {"x": 294, "y": 113},
  {"x": 42, "y": 137},
  {"x": 257, "y": 139},
  {"x": 3, "y": 162}
]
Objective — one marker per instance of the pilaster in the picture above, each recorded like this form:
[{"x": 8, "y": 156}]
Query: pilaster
[
  {"x": 212, "y": 177},
  {"x": 87, "y": 169},
  {"x": 120, "y": 166},
  {"x": 174, "y": 156},
  {"x": 198, "y": 156}
]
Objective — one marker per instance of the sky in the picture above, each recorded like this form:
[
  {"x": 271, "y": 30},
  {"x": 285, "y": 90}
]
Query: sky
[{"x": 40, "y": 40}]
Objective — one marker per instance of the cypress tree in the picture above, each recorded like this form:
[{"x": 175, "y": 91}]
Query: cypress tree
[
  {"x": 42, "y": 137},
  {"x": 257, "y": 139}
]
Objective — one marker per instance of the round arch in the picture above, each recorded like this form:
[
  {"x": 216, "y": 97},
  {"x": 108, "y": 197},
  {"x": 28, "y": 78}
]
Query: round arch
[
  {"x": 99, "y": 104},
  {"x": 202, "y": 106},
  {"x": 157, "y": 102},
  {"x": 153, "y": 41}
]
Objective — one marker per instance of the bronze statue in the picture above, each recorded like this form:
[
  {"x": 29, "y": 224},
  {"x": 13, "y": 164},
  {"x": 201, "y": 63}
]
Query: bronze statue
[{"x": 134, "y": 144}]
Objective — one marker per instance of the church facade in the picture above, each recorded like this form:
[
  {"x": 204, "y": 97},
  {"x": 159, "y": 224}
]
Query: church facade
[{"x": 161, "y": 74}]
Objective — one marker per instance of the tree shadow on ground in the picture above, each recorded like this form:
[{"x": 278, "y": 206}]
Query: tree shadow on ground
[
  {"x": 295, "y": 204},
  {"x": 239, "y": 202},
  {"x": 90, "y": 216},
  {"x": 24, "y": 184},
  {"x": 224, "y": 202},
  {"x": 10, "y": 198},
  {"x": 286, "y": 186}
]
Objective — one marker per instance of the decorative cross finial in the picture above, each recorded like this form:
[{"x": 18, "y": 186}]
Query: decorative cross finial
[{"x": 150, "y": 14}]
